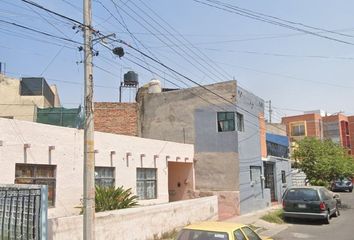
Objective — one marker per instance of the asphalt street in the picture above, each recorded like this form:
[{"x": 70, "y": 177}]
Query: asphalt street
[{"x": 340, "y": 228}]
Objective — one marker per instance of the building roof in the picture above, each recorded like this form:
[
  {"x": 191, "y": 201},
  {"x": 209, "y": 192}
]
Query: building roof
[{"x": 278, "y": 139}]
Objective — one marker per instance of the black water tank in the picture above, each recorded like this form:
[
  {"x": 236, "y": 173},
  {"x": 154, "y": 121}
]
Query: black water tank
[{"x": 131, "y": 79}]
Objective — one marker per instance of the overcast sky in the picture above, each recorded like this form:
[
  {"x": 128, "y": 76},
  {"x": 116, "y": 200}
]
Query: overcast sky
[{"x": 298, "y": 71}]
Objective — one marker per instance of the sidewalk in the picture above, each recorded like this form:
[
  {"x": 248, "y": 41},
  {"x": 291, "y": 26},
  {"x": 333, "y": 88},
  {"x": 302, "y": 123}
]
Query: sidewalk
[{"x": 265, "y": 229}]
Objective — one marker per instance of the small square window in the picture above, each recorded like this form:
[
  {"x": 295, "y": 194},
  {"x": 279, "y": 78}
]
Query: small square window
[
  {"x": 226, "y": 121},
  {"x": 104, "y": 176},
  {"x": 298, "y": 129}
]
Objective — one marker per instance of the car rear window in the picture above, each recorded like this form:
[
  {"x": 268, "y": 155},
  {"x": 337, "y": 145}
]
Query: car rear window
[{"x": 302, "y": 194}]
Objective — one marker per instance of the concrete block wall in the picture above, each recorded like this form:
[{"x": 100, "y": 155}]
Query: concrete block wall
[
  {"x": 117, "y": 118},
  {"x": 298, "y": 178},
  {"x": 138, "y": 223}
]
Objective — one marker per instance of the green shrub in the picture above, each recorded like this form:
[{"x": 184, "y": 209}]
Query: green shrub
[
  {"x": 111, "y": 198},
  {"x": 274, "y": 216}
]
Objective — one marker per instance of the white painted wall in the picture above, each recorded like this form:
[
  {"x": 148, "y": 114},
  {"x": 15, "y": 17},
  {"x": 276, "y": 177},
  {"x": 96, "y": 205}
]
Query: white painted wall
[
  {"x": 138, "y": 223},
  {"x": 68, "y": 157}
]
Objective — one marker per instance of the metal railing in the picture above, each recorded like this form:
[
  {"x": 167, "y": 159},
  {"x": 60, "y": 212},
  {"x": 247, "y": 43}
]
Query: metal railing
[{"x": 23, "y": 212}]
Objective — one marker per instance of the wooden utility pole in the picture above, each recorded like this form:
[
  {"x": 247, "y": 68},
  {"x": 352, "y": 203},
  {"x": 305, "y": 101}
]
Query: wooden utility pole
[{"x": 89, "y": 150}]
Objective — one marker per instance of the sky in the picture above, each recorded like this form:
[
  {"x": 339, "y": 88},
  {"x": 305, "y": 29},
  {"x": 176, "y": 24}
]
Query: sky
[{"x": 287, "y": 63}]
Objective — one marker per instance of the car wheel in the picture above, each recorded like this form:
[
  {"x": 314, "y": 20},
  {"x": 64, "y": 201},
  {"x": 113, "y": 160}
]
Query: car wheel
[
  {"x": 328, "y": 218},
  {"x": 350, "y": 190}
]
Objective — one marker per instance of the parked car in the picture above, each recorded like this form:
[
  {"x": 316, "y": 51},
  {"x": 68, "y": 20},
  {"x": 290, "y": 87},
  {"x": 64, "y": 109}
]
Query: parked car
[
  {"x": 344, "y": 184},
  {"x": 218, "y": 231},
  {"x": 310, "y": 202}
]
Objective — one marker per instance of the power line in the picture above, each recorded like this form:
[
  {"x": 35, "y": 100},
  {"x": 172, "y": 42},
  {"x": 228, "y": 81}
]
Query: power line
[
  {"x": 40, "y": 32},
  {"x": 281, "y": 19},
  {"x": 29, "y": 37},
  {"x": 52, "y": 12},
  {"x": 204, "y": 58},
  {"x": 184, "y": 54},
  {"x": 233, "y": 9},
  {"x": 132, "y": 35},
  {"x": 289, "y": 76}
]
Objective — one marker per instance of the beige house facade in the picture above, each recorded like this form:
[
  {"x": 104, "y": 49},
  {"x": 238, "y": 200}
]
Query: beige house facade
[{"x": 19, "y": 101}]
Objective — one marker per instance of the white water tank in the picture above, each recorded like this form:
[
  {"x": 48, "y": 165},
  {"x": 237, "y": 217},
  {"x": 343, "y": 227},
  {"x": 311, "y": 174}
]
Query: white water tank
[{"x": 154, "y": 86}]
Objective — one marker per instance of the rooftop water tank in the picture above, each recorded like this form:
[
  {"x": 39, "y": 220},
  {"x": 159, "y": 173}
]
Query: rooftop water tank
[
  {"x": 131, "y": 79},
  {"x": 154, "y": 86}
]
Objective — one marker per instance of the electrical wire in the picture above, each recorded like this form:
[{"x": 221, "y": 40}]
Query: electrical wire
[
  {"x": 203, "y": 57},
  {"x": 232, "y": 9},
  {"x": 184, "y": 54},
  {"x": 39, "y": 32}
]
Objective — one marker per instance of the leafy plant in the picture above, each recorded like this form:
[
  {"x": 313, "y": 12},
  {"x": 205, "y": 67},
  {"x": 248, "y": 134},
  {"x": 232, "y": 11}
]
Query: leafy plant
[
  {"x": 323, "y": 161},
  {"x": 111, "y": 198}
]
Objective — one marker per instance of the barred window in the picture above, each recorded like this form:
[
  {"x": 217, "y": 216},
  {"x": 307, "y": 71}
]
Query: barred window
[
  {"x": 37, "y": 174},
  {"x": 146, "y": 183},
  {"x": 104, "y": 176},
  {"x": 283, "y": 176}
]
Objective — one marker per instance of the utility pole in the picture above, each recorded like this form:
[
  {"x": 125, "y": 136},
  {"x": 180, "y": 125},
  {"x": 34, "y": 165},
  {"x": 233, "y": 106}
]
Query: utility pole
[
  {"x": 270, "y": 111},
  {"x": 89, "y": 150}
]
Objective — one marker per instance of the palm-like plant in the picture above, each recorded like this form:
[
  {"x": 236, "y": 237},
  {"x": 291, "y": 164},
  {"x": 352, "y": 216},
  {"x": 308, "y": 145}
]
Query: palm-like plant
[{"x": 111, "y": 198}]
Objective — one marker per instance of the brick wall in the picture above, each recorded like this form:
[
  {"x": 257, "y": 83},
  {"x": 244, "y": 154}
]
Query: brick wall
[
  {"x": 313, "y": 124},
  {"x": 262, "y": 130},
  {"x": 117, "y": 118},
  {"x": 351, "y": 133}
]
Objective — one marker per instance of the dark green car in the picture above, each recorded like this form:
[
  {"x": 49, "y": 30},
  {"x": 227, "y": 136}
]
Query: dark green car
[{"x": 310, "y": 203}]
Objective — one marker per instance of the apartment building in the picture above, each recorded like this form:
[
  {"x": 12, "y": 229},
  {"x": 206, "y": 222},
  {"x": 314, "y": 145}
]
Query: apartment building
[{"x": 337, "y": 127}]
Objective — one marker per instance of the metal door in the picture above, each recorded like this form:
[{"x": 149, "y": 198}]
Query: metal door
[{"x": 269, "y": 179}]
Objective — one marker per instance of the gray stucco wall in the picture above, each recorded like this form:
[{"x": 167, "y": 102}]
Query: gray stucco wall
[
  {"x": 223, "y": 158},
  {"x": 252, "y": 194},
  {"x": 216, "y": 171},
  {"x": 170, "y": 115},
  {"x": 217, "y": 165},
  {"x": 208, "y": 139},
  {"x": 189, "y": 116}
]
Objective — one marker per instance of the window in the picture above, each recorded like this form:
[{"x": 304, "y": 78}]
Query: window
[
  {"x": 37, "y": 174},
  {"x": 283, "y": 176},
  {"x": 240, "y": 122},
  {"x": 303, "y": 194},
  {"x": 298, "y": 129},
  {"x": 255, "y": 173},
  {"x": 239, "y": 235},
  {"x": 146, "y": 183},
  {"x": 104, "y": 176},
  {"x": 226, "y": 121},
  {"x": 250, "y": 234}
]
